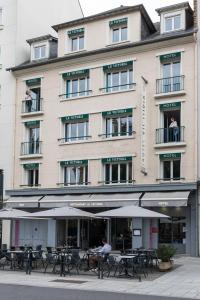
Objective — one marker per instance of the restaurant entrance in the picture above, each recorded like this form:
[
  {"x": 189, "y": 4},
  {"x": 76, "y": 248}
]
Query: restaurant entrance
[{"x": 92, "y": 232}]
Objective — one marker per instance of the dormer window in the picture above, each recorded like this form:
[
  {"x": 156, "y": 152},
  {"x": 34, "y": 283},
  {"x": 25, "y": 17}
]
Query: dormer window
[
  {"x": 76, "y": 39},
  {"x": 40, "y": 52},
  {"x": 173, "y": 23},
  {"x": 119, "y": 30}
]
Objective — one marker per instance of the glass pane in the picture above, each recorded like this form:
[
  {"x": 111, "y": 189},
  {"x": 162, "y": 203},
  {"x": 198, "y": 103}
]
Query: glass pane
[
  {"x": 166, "y": 70},
  {"x": 123, "y": 126},
  {"x": 177, "y": 22},
  {"x": 130, "y": 79},
  {"x": 43, "y": 51},
  {"x": 82, "y": 88},
  {"x": 36, "y": 177},
  {"x": 107, "y": 173},
  {"x": 124, "y": 80},
  {"x": 72, "y": 175},
  {"x": 115, "y": 81},
  {"x": 87, "y": 85},
  {"x": 123, "y": 173},
  {"x": 114, "y": 173},
  {"x": 130, "y": 177},
  {"x": 124, "y": 34},
  {"x": 115, "y": 35},
  {"x": 74, "y": 44},
  {"x": 166, "y": 87},
  {"x": 74, "y": 88},
  {"x": 67, "y": 132},
  {"x": 115, "y": 129},
  {"x": 168, "y": 24},
  {"x": 130, "y": 125},
  {"x": 86, "y": 174},
  {"x": 166, "y": 170},
  {"x": 87, "y": 129},
  {"x": 81, "y": 42},
  {"x": 108, "y": 82},
  {"x": 37, "y": 52},
  {"x": 66, "y": 178},
  {"x": 108, "y": 127},
  {"x": 30, "y": 177},
  {"x": 73, "y": 132},
  {"x": 81, "y": 133},
  {"x": 80, "y": 175},
  {"x": 176, "y": 70},
  {"x": 176, "y": 169},
  {"x": 68, "y": 89}
]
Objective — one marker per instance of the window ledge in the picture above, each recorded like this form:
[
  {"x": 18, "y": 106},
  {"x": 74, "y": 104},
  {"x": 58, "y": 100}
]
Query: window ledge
[
  {"x": 118, "y": 43},
  {"x": 75, "y": 52},
  {"x": 117, "y": 138},
  {"x": 76, "y": 98},
  {"x": 172, "y": 94},
  {"x": 75, "y": 142},
  {"x": 161, "y": 181},
  {"x": 29, "y": 156},
  {"x": 120, "y": 91},
  {"x": 166, "y": 145},
  {"x": 30, "y": 114}
]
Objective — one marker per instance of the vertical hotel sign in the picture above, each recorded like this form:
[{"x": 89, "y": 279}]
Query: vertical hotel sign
[{"x": 143, "y": 126}]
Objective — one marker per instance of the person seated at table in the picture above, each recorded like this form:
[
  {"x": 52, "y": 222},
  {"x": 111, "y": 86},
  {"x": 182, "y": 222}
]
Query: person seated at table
[{"x": 102, "y": 251}]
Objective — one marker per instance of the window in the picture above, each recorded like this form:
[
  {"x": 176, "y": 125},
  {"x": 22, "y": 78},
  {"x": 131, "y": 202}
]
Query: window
[
  {"x": 75, "y": 175},
  {"x": 171, "y": 169},
  {"x": 1, "y": 16},
  {"x": 119, "y": 126},
  {"x": 40, "y": 52},
  {"x": 121, "y": 80},
  {"x": 33, "y": 177},
  {"x": 119, "y": 34},
  {"x": 32, "y": 102},
  {"x": 76, "y": 131},
  {"x": 172, "y": 23},
  {"x": 171, "y": 76},
  {"x": 117, "y": 170},
  {"x": 77, "y": 87},
  {"x": 77, "y": 43},
  {"x": 32, "y": 144}
]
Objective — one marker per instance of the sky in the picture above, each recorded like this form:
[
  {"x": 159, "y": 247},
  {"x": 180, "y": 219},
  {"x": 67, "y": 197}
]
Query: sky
[{"x": 91, "y": 7}]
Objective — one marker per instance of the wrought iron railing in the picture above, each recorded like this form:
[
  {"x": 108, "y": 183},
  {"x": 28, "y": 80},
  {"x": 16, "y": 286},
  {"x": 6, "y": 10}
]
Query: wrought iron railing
[
  {"x": 170, "y": 84},
  {"x": 30, "y": 106},
  {"x": 115, "y": 88},
  {"x": 31, "y": 148},
  {"x": 170, "y": 135}
]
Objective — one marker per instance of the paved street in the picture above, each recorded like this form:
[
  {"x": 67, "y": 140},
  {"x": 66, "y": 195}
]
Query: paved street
[{"x": 12, "y": 292}]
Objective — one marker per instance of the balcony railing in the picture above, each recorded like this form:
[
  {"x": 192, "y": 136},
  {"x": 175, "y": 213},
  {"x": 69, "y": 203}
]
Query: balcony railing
[
  {"x": 170, "y": 135},
  {"x": 30, "y": 106},
  {"x": 170, "y": 84},
  {"x": 117, "y": 134},
  {"x": 76, "y": 94},
  {"x": 31, "y": 148},
  {"x": 74, "y": 139},
  {"x": 116, "y": 88},
  {"x": 63, "y": 184}
]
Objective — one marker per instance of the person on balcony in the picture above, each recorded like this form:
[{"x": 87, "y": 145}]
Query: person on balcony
[
  {"x": 28, "y": 99},
  {"x": 173, "y": 131}
]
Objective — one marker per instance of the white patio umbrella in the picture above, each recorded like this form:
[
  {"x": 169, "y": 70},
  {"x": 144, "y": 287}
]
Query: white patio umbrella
[
  {"x": 131, "y": 211},
  {"x": 62, "y": 212},
  {"x": 12, "y": 214}
]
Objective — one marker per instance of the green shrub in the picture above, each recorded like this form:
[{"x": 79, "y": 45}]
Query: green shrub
[{"x": 166, "y": 252}]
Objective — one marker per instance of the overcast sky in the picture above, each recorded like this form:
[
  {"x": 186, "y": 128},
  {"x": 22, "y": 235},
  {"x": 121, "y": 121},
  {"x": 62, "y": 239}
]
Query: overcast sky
[{"x": 91, "y": 7}]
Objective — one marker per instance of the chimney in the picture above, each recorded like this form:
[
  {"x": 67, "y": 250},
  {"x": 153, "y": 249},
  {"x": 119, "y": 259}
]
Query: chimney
[{"x": 195, "y": 12}]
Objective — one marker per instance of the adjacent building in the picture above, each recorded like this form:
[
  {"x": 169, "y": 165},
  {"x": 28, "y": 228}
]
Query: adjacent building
[{"x": 106, "y": 122}]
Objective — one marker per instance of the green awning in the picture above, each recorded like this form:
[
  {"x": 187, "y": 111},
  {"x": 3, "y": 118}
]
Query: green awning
[
  {"x": 169, "y": 106},
  {"x": 75, "y": 32},
  {"x": 73, "y": 163},
  {"x": 170, "y": 156},
  {"x": 111, "y": 160},
  {"x": 32, "y": 123},
  {"x": 35, "y": 81},
  {"x": 118, "y": 22},
  {"x": 170, "y": 57},
  {"x": 117, "y": 112},
  {"x": 78, "y": 73},
  {"x": 68, "y": 119},
  {"x": 126, "y": 64},
  {"x": 31, "y": 166}
]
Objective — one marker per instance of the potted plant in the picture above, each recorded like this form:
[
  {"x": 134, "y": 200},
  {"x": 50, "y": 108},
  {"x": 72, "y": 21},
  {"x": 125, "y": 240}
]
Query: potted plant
[{"x": 165, "y": 254}]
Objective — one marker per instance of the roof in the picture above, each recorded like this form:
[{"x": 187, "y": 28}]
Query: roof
[
  {"x": 154, "y": 38},
  {"x": 41, "y": 38},
  {"x": 107, "y": 14},
  {"x": 181, "y": 5}
]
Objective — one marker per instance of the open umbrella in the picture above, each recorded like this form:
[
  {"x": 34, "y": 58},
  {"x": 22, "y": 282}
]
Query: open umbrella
[
  {"x": 131, "y": 211},
  {"x": 62, "y": 212},
  {"x": 12, "y": 214}
]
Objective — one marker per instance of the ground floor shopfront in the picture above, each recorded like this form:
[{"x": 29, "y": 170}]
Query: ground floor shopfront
[{"x": 179, "y": 230}]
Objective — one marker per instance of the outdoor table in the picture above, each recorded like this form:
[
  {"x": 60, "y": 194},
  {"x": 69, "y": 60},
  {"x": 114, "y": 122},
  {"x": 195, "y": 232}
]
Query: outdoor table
[{"x": 125, "y": 259}]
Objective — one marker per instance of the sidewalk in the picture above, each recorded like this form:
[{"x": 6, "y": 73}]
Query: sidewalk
[{"x": 183, "y": 282}]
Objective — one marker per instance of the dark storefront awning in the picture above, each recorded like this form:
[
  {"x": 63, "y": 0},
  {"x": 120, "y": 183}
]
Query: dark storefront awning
[
  {"x": 23, "y": 202},
  {"x": 91, "y": 200},
  {"x": 165, "y": 199}
]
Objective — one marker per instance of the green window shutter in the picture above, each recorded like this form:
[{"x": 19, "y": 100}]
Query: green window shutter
[
  {"x": 170, "y": 57},
  {"x": 76, "y": 32},
  {"x": 35, "y": 81},
  {"x": 118, "y": 112},
  {"x": 32, "y": 123},
  {"x": 118, "y": 22},
  {"x": 74, "y": 163},
  {"x": 123, "y": 65},
  {"x": 69, "y": 119},
  {"x": 168, "y": 106},
  {"x": 31, "y": 166},
  {"x": 111, "y": 160},
  {"x": 76, "y": 74},
  {"x": 170, "y": 156}
]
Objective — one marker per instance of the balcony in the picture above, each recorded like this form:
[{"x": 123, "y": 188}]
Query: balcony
[
  {"x": 170, "y": 135},
  {"x": 31, "y": 148},
  {"x": 32, "y": 106},
  {"x": 170, "y": 86}
]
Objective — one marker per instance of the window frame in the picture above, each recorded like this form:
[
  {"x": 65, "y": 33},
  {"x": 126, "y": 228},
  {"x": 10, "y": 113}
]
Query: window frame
[
  {"x": 129, "y": 171},
  {"x": 121, "y": 87},
  {"x": 1, "y": 18},
  {"x": 171, "y": 169},
  {"x": 172, "y": 15},
  {"x": 112, "y": 134},
  {"x": 68, "y": 85},
  {"x": 71, "y": 139},
  {"x": 119, "y": 27},
  {"x": 40, "y": 45},
  {"x": 26, "y": 177},
  {"x": 66, "y": 169},
  {"x": 78, "y": 43}
]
